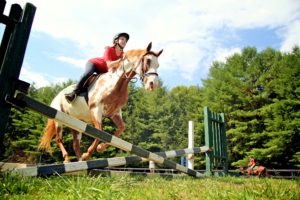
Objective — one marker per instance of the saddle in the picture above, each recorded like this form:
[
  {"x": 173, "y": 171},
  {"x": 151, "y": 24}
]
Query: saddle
[
  {"x": 251, "y": 171},
  {"x": 91, "y": 80},
  {"x": 87, "y": 84}
]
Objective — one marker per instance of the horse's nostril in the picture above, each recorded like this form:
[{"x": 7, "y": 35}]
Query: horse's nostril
[{"x": 151, "y": 84}]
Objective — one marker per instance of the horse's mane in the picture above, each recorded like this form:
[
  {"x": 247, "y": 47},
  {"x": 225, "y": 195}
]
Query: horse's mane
[{"x": 135, "y": 52}]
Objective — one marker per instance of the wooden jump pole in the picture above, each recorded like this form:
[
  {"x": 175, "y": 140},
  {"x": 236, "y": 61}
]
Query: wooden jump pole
[
  {"x": 22, "y": 100},
  {"x": 100, "y": 163}
]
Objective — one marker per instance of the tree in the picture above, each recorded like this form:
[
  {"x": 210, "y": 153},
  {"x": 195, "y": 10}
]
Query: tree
[{"x": 260, "y": 103}]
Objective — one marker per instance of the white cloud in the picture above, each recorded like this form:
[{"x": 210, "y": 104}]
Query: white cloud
[
  {"x": 184, "y": 29},
  {"x": 222, "y": 54},
  {"x": 33, "y": 77},
  {"x": 39, "y": 79},
  {"x": 291, "y": 37},
  {"x": 74, "y": 62},
  {"x": 250, "y": 13}
]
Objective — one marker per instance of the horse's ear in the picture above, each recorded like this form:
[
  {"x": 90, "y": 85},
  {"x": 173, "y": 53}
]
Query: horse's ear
[
  {"x": 160, "y": 52},
  {"x": 149, "y": 46}
]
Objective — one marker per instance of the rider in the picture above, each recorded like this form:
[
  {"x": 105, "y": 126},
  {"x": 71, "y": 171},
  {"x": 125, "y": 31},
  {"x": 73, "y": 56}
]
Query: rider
[
  {"x": 112, "y": 57},
  {"x": 251, "y": 164}
]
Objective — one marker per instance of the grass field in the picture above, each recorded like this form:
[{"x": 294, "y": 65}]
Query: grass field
[{"x": 139, "y": 188}]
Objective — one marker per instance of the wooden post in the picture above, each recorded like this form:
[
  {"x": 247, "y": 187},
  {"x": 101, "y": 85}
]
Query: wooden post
[
  {"x": 14, "y": 47},
  {"x": 208, "y": 140},
  {"x": 151, "y": 166},
  {"x": 224, "y": 144},
  {"x": 190, "y": 157}
]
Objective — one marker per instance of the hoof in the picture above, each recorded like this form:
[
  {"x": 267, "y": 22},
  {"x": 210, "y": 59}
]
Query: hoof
[
  {"x": 66, "y": 158},
  {"x": 190, "y": 156},
  {"x": 101, "y": 148},
  {"x": 85, "y": 156}
]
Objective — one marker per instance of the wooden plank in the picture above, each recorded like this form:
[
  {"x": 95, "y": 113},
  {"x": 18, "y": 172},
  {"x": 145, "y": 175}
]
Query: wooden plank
[
  {"x": 208, "y": 139},
  {"x": 11, "y": 166},
  {"x": 12, "y": 62}
]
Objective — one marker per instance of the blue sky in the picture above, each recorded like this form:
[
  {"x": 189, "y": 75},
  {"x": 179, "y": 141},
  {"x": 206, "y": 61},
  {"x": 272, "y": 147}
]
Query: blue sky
[{"x": 192, "y": 33}]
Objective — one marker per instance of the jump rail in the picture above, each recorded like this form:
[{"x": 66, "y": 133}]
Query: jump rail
[
  {"x": 101, "y": 163},
  {"x": 24, "y": 101}
]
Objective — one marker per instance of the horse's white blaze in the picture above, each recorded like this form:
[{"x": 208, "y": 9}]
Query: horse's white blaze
[{"x": 151, "y": 81}]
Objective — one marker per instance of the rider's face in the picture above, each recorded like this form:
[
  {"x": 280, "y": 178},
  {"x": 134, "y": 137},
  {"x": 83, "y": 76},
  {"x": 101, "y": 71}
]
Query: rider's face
[{"x": 122, "y": 41}]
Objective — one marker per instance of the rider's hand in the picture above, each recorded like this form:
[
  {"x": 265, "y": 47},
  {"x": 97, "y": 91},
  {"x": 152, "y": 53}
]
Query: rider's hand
[{"x": 124, "y": 57}]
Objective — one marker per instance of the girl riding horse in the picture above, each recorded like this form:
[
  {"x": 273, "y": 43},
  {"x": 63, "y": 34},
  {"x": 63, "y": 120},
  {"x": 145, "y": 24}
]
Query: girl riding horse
[
  {"x": 107, "y": 95},
  {"x": 112, "y": 57}
]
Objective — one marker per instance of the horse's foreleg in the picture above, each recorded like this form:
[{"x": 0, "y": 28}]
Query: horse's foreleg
[
  {"x": 91, "y": 149},
  {"x": 76, "y": 144},
  {"x": 60, "y": 144},
  {"x": 248, "y": 171},
  {"x": 118, "y": 121}
]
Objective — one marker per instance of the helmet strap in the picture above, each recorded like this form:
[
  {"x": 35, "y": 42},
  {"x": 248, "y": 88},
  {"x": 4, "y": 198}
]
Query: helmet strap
[{"x": 121, "y": 48}]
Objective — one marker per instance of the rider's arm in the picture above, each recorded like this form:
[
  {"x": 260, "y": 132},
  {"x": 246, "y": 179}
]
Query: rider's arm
[
  {"x": 113, "y": 64},
  {"x": 109, "y": 59}
]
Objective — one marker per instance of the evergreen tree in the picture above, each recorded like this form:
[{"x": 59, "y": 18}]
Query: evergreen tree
[{"x": 255, "y": 91}]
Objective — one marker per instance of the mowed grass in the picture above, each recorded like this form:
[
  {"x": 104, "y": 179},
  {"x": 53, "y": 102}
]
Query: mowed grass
[{"x": 139, "y": 188}]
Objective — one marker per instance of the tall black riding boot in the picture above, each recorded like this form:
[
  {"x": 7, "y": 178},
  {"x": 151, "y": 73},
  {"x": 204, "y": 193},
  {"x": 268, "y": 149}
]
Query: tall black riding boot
[{"x": 70, "y": 97}]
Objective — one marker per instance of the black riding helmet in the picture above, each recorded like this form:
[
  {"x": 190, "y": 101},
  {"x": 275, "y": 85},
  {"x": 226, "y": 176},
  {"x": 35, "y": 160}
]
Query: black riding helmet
[{"x": 117, "y": 36}]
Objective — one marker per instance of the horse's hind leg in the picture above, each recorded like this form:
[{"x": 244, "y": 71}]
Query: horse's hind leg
[
  {"x": 60, "y": 144},
  {"x": 76, "y": 143}
]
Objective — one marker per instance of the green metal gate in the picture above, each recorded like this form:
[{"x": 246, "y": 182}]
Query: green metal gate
[{"x": 215, "y": 138}]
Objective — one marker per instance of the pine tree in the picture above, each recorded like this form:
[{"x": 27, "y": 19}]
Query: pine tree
[{"x": 258, "y": 92}]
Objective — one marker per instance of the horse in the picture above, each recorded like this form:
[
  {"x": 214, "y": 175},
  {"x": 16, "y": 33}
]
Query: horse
[
  {"x": 106, "y": 97},
  {"x": 257, "y": 171}
]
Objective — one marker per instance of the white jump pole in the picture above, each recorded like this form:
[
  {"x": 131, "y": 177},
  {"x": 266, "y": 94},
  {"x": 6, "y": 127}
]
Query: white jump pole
[
  {"x": 151, "y": 166},
  {"x": 190, "y": 157}
]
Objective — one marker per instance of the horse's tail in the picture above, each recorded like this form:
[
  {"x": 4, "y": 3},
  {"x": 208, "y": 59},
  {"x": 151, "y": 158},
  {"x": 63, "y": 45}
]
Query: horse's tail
[{"x": 50, "y": 131}]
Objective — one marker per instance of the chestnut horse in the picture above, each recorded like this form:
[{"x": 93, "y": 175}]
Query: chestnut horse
[
  {"x": 107, "y": 95},
  {"x": 257, "y": 171}
]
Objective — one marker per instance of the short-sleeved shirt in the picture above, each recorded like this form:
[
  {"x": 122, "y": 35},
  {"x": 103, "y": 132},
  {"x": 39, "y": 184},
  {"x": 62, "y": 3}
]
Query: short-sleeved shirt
[
  {"x": 252, "y": 161},
  {"x": 109, "y": 55}
]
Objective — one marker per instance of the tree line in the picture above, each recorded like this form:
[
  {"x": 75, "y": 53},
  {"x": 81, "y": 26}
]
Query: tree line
[{"x": 258, "y": 92}]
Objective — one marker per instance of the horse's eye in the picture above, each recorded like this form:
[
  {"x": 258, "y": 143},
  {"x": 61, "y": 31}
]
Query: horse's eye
[{"x": 148, "y": 62}]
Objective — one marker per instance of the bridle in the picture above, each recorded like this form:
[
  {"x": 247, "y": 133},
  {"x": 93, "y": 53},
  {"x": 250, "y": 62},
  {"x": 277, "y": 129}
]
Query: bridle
[{"x": 142, "y": 62}]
